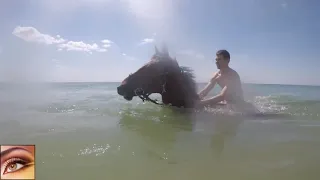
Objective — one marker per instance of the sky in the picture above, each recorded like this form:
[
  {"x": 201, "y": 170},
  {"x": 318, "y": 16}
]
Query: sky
[{"x": 270, "y": 41}]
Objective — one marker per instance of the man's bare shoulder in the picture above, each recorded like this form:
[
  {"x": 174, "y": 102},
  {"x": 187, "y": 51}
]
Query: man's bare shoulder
[
  {"x": 234, "y": 73},
  {"x": 214, "y": 76}
]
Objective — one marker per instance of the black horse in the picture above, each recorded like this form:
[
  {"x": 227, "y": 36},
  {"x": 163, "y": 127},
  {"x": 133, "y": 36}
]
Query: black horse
[{"x": 162, "y": 75}]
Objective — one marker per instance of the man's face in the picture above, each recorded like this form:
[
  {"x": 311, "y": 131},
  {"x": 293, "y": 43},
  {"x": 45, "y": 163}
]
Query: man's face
[{"x": 221, "y": 62}]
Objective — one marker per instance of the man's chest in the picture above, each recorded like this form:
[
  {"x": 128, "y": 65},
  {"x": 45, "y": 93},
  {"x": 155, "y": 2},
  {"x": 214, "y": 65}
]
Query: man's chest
[{"x": 223, "y": 80}]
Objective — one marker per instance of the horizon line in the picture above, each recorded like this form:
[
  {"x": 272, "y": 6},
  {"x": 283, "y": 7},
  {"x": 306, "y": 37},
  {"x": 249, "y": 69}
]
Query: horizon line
[{"x": 199, "y": 82}]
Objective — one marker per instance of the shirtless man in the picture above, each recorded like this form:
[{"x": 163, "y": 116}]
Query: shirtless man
[{"x": 228, "y": 79}]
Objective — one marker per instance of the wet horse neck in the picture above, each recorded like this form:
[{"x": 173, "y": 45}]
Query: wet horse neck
[{"x": 176, "y": 93}]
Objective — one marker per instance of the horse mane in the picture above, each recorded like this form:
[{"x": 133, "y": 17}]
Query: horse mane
[{"x": 188, "y": 79}]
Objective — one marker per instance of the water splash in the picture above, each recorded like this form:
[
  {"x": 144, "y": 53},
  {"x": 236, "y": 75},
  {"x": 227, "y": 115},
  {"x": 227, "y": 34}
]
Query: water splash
[{"x": 95, "y": 150}]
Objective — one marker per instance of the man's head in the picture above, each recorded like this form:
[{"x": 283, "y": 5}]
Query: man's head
[{"x": 222, "y": 59}]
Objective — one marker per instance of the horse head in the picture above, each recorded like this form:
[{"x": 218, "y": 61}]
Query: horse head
[{"x": 150, "y": 78}]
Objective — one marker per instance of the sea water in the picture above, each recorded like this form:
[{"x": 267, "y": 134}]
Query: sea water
[{"x": 87, "y": 131}]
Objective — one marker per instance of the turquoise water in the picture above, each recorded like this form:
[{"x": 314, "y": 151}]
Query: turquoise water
[{"x": 87, "y": 131}]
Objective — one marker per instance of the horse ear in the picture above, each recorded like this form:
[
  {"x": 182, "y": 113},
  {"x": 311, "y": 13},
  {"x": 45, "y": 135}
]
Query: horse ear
[{"x": 156, "y": 49}]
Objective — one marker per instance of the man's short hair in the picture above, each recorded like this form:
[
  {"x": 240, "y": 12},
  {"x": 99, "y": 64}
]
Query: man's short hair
[{"x": 224, "y": 53}]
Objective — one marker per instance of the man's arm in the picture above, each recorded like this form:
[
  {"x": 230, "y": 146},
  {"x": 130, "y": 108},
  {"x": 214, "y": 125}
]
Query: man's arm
[
  {"x": 209, "y": 86},
  {"x": 216, "y": 99},
  {"x": 207, "y": 89}
]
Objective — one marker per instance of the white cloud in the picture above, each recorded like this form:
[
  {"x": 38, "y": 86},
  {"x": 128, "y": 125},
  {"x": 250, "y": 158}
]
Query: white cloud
[
  {"x": 106, "y": 41},
  {"x": 80, "y": 46},
  {"x": 106, "y": 45},
  {"x": 31, "y": 34},
  {"x": 146, "y": 41},
  {"x": 129, "y": 58},
  {"x": 101, "y": 50},
  {"x": 191, "y": 53}
]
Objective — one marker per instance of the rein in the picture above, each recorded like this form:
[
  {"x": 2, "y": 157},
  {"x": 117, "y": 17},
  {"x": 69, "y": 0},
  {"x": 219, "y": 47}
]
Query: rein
[{"x": 145, "y": 96}]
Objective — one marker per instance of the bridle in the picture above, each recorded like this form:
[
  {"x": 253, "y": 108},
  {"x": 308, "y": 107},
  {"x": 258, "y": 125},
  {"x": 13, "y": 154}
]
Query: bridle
[{"x": 144, "y": 96}]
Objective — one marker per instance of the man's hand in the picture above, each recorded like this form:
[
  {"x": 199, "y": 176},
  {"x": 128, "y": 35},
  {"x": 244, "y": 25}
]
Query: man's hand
[{"x": 201, "y": 95}]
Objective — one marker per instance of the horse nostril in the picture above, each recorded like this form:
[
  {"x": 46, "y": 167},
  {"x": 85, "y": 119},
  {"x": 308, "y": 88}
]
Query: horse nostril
[{"x": 120, "y": 90}]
